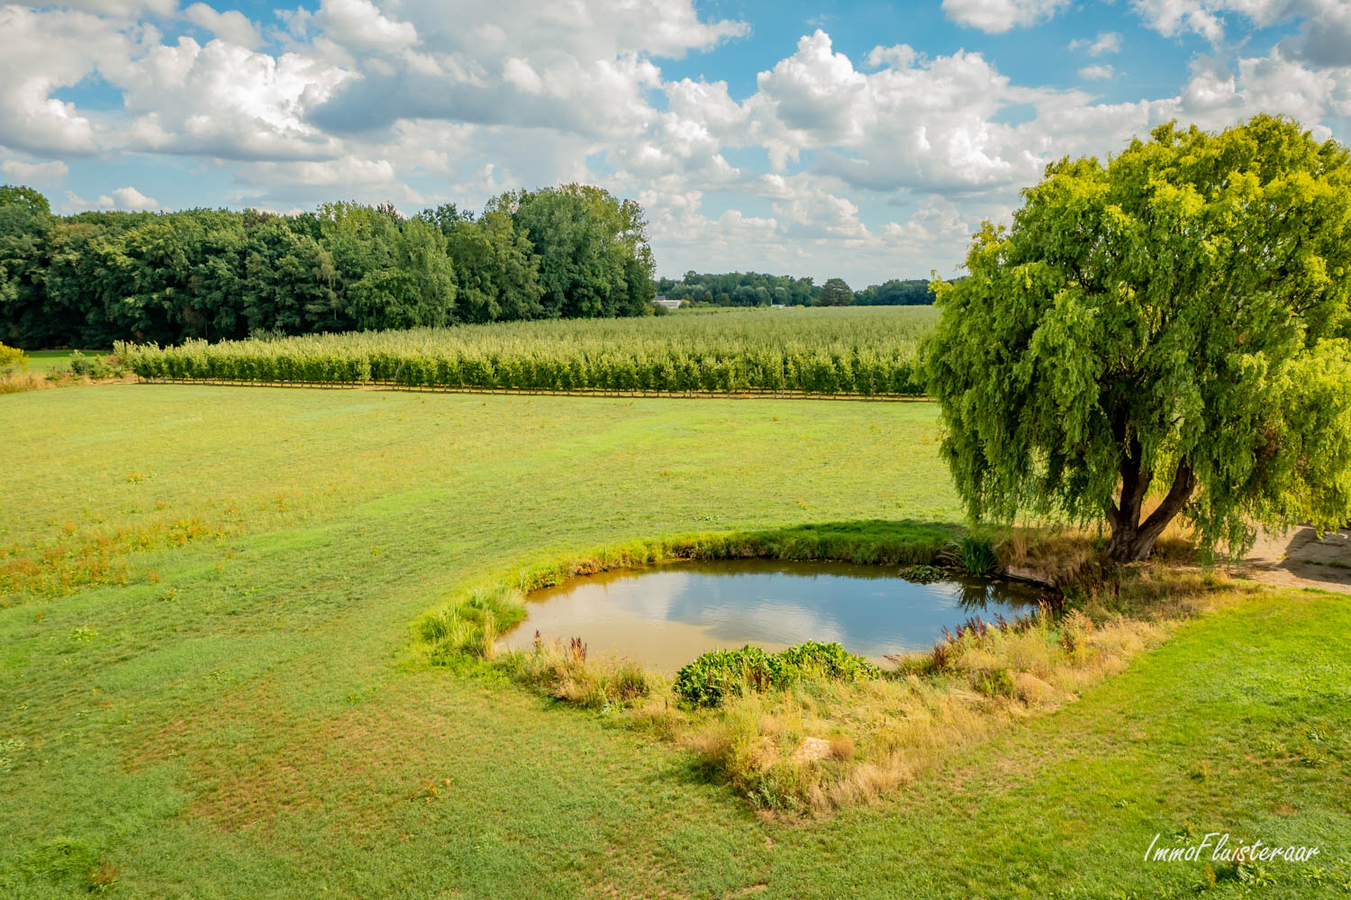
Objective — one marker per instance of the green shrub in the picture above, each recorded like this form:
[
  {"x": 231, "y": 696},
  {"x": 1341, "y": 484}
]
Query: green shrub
[
  {"x": 719, "y": 674},
  {"x": 811, "y": 659},
  {"x": 995, "y": 683},
  {"x": 12, "y": 360},
  {"x": 96, "y": 367},
  {"x": 975, "y": 554}
]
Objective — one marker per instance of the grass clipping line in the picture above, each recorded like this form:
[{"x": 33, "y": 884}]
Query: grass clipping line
[{"x": 817, "y": 743}]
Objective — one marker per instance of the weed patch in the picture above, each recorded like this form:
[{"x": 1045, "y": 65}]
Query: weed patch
[{"x": 76, "y": 560}]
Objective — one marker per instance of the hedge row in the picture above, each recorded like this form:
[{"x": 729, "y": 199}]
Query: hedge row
[{"x": 806, "y": 356}]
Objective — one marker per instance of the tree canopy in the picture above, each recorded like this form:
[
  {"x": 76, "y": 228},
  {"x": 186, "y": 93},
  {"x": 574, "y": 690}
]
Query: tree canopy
[
  {"x": 1173, "y": 323},
  {"x": 755, "y": 289},
  {"x": 95, "y": 278},
  {"x": 835, "y": 292},
  {"x": 896, "y": 292}
]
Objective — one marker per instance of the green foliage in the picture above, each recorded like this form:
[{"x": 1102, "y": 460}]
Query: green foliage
[
  {"x": 1175, "y": 321},
  {"x": 12, "y": 360},
  {"x": 975, "y": 554},
  {"x": 867, "y": 352},
  {"x": 835, "y": 292},
  {"x": 96, "y": 278},
  {"x": 592, "y": 250},
  {"x": 739, "y": 289},
  {"x": 25, "y": 198},
  {"x": 496, "y": 270},
  {"x": 995, "y": 682},
  {"x": 755, "y": 289},
  {"x": 911, "y": 292},
  {"x": 96, "y": 367},
  {"x": 722, "y": 673}
]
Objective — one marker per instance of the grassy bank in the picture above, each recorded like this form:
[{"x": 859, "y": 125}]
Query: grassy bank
[{"x": 237, "y": 713}]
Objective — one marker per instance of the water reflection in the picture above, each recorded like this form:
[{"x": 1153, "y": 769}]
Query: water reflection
[{"x": 664, "y": 616}]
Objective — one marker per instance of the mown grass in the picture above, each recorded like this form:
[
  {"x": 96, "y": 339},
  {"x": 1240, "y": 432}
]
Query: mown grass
[
  {"x": 41, "y": 362},
  {"x": 252, "y": 723}
]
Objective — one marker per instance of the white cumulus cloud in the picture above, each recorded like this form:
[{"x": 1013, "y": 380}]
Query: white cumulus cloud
[
  {"x": 231, "y": 25},
  {"x": 996, "y": 16}
]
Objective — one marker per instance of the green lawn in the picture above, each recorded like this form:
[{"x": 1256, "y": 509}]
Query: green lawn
[
  {"x": 41, "y": 362},
  {"x": 243, "y": 717}
]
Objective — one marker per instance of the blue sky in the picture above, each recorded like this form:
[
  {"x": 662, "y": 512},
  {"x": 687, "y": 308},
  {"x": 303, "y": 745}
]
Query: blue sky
[{"x": 866, "y": 140}]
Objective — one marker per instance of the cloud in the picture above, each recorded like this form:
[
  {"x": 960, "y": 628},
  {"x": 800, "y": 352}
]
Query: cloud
[
  {"x": 46, "y": 51},
  {"x": 359, "y": 25},
  {"x": 1324, "y": 36},
  {"x": 124, "y": 198},
  {"x": 925, "y": 123},
  {"x": 223, "y": 100},
  {"x": 231, "y": 25},
  {"x": 1105, "y": 43},
  {"x": 39, "y": 173},
  {"x": 997, "y": 16},
  {"x": 581, "y": 67},
  {"x": 1097, "y": 73},
  {"x": 161, "y": 8},
  {"x": 132, "y": 199}
]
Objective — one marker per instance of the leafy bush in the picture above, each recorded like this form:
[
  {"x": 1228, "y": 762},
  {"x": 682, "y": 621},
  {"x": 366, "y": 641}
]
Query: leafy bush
[
  {"x": 96, "y": 367},
  {"x": 11, "y": 360},
  {"x": 722, "y": 673}
]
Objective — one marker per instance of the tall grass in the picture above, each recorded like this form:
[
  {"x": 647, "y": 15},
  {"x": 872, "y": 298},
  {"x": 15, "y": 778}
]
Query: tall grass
[{"x": 861, "y": 352}]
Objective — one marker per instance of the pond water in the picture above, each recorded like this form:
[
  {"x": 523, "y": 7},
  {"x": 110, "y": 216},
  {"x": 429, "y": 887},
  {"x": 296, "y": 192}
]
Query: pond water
[{"x": 664, "y": 616}]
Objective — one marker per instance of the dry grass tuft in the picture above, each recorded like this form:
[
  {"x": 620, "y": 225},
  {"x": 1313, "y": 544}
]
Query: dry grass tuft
[{"x": 566, "y": 672}]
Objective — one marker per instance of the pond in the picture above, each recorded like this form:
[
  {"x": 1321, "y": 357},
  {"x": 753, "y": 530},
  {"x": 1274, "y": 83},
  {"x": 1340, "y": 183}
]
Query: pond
[{"x": 664, "y": 616}]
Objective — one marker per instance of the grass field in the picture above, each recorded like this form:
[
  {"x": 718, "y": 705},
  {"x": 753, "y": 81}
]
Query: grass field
[
  {"x": 40, "y": 362},
  {"x": 244, "y": 717}
]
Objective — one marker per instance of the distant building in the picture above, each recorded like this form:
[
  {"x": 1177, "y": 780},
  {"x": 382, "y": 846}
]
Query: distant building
[{"x": 669, "y": 304}]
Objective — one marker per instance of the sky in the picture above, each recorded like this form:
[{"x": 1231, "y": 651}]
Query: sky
[{"x": 861, "y": 140}]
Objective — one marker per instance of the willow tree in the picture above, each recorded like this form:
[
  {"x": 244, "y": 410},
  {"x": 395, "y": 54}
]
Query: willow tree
[{"x": 1162, "y": 335}]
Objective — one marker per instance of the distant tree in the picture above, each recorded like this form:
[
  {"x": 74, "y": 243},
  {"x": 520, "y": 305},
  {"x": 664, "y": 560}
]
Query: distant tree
[
  {"x": 415, "y": 287},
  {"x": 289, "y": 283},
  {"x": 1174, "y": 323},
  {"x": 25, "y": 226},
  {"x": 912, "y": 292},
  {"x": 835, "y": 292},
  {"x": 25, "y": 198},
  {"x": 592, "y": 249},
  {"x": 446, "y": 217},
  {"x": 739, "y": 289},
  {"x": 744, "y": 295},
  {"x": 495, "y": 269}
]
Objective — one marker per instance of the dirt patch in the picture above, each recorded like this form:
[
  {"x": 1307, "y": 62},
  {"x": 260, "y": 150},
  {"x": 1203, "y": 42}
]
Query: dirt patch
[{"x": 1300, "y": 558}]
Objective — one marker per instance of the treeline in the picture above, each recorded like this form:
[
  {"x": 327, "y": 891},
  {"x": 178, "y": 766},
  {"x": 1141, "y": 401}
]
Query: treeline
[
  {"x": 756, "y": 289},
  {"x": 90, "y": 279},
  {"x": 897, "y": 292}
]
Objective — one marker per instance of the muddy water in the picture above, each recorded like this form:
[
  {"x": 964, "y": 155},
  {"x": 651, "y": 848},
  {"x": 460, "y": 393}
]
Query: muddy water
[{"x": 664, "y": 616}]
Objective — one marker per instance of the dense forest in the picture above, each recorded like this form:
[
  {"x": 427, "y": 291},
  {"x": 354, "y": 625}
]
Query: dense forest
[
  {"x": 90, "y": 279},
  {"x": 755, "y": 289}
]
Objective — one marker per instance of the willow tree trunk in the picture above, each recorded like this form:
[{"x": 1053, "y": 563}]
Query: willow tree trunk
[{"x": 1132, "y": 539}]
